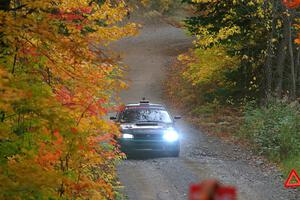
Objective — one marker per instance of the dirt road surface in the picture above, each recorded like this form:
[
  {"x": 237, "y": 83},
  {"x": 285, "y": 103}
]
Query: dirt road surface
[{"x": 202, "y": 157}]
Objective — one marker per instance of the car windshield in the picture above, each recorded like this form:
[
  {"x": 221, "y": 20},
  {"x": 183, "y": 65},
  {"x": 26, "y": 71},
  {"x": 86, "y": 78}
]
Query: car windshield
[{"x": 145, "y": 115}]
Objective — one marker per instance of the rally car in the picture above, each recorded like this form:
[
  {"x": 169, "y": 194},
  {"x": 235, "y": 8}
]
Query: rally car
[{"x": 147, "y": 127}]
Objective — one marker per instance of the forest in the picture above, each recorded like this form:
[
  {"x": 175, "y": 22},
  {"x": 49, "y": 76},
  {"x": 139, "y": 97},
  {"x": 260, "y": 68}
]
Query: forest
[
  {"x": 243, "y": 74},
  {"x": 59, "y": 80}
]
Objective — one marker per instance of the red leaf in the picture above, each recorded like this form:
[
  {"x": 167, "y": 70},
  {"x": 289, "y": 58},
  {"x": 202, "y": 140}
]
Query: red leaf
[{"x": 291, "y": 3}]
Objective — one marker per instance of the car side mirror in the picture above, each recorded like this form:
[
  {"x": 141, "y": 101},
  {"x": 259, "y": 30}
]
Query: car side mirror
[
  {"x": 177, "y": 117},
  {"x": 113, "y": 118}
]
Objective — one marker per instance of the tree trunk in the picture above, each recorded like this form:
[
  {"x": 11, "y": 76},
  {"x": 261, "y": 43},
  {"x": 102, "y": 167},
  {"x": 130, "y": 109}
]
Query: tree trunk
[
  {"x": 270, "y": 54},
  {"x": 292, "y": 61},
  {"x": 280, "y": 65},
  {"x": 297, "y": 67},
  {"x": 282, "y": 56}
]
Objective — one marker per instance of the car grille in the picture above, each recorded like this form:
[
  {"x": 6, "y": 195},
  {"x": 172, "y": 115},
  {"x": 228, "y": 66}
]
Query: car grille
[{"x": 145, "y": 136}]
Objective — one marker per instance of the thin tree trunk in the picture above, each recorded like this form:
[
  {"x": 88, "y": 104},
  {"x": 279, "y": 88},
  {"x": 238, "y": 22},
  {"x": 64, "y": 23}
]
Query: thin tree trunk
[
  {"x": 270, "y": 54},
  {"x": 15, "y": 61},
  {"x": 297, "y": 66},
  {"x": 297, "y": 62},
  {"x": 297, "y": 70},
  {"x": 280, "y": 65},
  {"x": 291, "y": 52},
  {"x": 282, "y": 52}
]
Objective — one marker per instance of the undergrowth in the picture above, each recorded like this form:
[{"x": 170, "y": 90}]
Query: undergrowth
[{"x": 274, "y": 131}]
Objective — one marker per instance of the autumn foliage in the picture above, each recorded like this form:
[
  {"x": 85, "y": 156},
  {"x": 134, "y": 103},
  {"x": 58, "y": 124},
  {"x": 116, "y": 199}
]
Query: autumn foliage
[
  {"x": 57, "y": 82},
  {"x": 291, "y": 3}
]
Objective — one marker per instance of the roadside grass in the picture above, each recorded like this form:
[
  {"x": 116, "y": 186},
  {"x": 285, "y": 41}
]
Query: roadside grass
[
  {"x": 290, "y": 163},
  {"x": 274, "y": 130},
  {"x": 270, "y": 132},
  {"x": 119, "y": 192}
]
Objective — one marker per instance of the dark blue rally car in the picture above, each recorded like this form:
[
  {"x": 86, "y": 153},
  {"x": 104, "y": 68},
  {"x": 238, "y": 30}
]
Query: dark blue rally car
[{"x": 147, "y": 127}]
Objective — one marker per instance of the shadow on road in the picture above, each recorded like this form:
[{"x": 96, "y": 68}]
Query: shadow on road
[{"x": 146, "y": 156}]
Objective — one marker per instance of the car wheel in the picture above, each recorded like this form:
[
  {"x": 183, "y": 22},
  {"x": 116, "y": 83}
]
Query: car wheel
[{"x": 175, "y": 153}]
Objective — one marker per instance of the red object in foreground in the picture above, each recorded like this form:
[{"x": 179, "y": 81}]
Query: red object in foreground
[
  {"x": 211, "y": 190},
  {"x": 291, "y": 3},
  {"x": 293, "y": 175}
]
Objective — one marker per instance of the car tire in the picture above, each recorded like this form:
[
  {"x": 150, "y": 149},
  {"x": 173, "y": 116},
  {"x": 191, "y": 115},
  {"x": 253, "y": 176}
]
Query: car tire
[{"x": 175, "y": 153}]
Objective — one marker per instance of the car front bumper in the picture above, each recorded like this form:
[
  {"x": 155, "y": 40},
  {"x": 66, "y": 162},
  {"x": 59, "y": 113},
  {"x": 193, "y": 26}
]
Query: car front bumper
[{"x": 131, "y": 145}]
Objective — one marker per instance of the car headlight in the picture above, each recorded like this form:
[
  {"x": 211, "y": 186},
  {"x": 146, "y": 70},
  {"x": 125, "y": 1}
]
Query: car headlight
[
  {"x": 171, "y": 135},
  {"x": 127, "y": 136}
]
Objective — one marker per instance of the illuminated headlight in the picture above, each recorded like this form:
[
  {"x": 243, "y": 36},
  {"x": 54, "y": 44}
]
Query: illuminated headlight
[
  {"x": 127, "y": 136},
  {"x": 171, "y": 135}
]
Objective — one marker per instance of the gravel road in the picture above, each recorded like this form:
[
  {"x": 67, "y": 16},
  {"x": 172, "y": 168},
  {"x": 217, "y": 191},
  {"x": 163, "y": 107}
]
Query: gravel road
[{"x": 202, "y": 156}]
